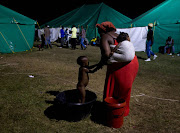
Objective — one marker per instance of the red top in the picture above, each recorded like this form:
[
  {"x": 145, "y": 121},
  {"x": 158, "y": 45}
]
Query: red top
[{"x": 115, "y": 42}]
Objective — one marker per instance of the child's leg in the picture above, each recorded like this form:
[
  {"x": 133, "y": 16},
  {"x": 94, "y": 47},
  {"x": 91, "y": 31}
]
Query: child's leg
[{"x": 82, "y": 93}]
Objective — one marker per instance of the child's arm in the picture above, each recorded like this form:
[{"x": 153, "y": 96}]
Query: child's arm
[{"x": 85, "y": 69}]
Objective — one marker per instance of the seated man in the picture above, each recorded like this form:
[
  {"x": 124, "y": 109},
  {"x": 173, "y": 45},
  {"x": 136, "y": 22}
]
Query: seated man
[
  {"x": 169, "y": 44},
  {"x": 93, "y": 41}
]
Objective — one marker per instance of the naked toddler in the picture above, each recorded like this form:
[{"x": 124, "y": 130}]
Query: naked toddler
[{"x": 83, "y": 78}]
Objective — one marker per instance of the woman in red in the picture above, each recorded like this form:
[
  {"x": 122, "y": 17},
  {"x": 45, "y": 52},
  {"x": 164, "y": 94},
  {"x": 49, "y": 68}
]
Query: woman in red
[{"x": 120, "y": 75}]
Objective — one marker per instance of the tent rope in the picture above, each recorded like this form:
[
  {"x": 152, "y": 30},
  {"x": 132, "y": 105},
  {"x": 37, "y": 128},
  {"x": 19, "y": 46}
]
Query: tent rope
[
  {"x": 154, "y": 30},
  {"x": 154, "y": 27},
  {"x": 6, "y": 42},
  {"x": 22, "y": 34}
]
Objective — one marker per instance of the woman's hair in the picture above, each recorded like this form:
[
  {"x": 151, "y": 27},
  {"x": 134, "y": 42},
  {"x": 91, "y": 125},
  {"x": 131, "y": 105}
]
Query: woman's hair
[
  {"x": 79, "y": 60},
  {"x": 122, "y": 37}
]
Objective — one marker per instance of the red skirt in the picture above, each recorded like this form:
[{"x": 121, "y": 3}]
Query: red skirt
[{"x": 119, "y": 80}]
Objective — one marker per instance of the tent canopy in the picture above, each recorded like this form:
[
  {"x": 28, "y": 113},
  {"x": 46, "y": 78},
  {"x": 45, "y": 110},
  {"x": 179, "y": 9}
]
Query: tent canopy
[
  {"x": 165, "y": 13},
  {"x": 88, "y": 16},
  {"x": 16, "y": 31},
  {"x": 166, "y": 20},
  {"x": 7, "y": 16}
]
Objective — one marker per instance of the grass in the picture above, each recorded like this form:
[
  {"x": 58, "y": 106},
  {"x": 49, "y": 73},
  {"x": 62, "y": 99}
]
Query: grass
[{"x": 24, "y": 100}]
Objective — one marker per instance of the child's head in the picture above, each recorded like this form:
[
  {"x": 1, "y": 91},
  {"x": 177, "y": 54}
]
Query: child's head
[
  {"x": 122, "y": 37},
  {"x": 82, "y": 61}
]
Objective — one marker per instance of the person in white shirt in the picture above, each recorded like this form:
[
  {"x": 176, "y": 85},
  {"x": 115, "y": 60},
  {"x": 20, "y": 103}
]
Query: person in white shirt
[{"x": 74, "y": 37}]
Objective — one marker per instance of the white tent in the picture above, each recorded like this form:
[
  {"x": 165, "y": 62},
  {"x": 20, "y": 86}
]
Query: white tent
[
  {"x": 54, "y": 33},
  {"x": 138, "y": 36}
]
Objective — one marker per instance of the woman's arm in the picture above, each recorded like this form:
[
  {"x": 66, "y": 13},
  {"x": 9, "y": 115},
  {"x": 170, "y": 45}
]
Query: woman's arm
[
  {"x": 91, "y": 67},
  {"x": 105, "y": 45},
  {"x": 106, "y": 40}
]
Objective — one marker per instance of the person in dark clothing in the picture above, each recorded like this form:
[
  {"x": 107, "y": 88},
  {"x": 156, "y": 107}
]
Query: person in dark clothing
[
  {"x": 169, "y": 44},
  {"x": 42, "y": 43},
  {"x": 149, "y": 43}
]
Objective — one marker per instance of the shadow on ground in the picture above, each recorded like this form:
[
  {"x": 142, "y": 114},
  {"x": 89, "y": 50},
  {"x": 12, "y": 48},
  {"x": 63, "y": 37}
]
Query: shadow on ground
[
  {"x": 141, "y": 58},
  {"x": 98, "y": 113}
]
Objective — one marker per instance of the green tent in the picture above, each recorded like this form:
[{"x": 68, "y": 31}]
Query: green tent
[
  {"x": 88, "y": 16},
  {"x": 16, "y": 31},
  {"x": 166, "y": 20}
]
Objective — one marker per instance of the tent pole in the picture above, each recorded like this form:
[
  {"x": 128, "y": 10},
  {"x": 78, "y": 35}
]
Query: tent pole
[
  {"x": 7, "y": 42},
  {"x": 22, "y": 34}
]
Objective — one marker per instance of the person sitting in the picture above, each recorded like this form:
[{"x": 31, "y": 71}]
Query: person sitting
[
  {"x": 169, "y": 44},
  {"x": 93, "y": 41}
]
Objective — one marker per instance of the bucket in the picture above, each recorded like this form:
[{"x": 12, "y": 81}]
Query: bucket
[{"x": 115, "y": 109}]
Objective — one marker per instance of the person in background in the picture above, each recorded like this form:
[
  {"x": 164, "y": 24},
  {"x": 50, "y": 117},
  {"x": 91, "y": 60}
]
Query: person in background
[
  {"x": 149, "y": 43},
  {"x": 62, "y": 36},
  {"x": 74, "y": 37},
  {"x": 169, "y": 44},
  {"x": 93, "y": 41},
  {"x": 47, "y": 36},
  {"x": 98, "y": 41},
  {"x": 42, "y": 41},
  {"x": 83, "y": 36},
  {"x": 66, "y": 37}
]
